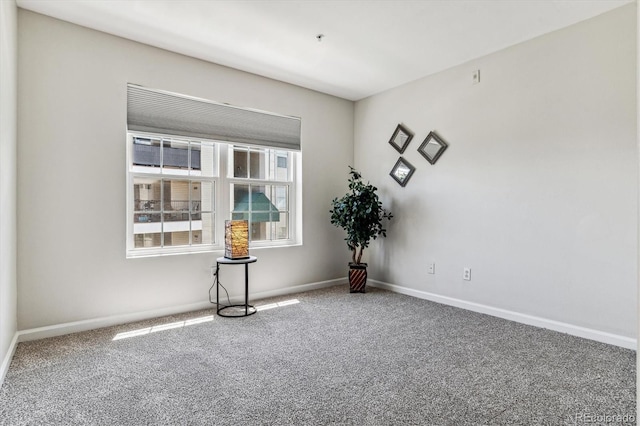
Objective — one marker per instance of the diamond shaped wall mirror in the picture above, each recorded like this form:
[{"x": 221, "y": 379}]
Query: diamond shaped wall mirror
[
  {"x": 432, "y": 147},
  {"x": 402, "y": 171},
  {"x": 401, "y": 138}
]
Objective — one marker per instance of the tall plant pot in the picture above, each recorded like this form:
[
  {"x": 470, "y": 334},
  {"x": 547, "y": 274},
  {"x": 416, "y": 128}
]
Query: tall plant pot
[{"x": 357, "y": 277}]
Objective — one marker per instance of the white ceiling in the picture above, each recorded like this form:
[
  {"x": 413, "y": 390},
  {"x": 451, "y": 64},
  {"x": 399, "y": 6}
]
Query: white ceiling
[{"x": 369, "y": 45}]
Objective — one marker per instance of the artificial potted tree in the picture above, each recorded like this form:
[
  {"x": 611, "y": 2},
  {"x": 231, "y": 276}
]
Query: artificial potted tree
[{"x": 360, "y": 213}]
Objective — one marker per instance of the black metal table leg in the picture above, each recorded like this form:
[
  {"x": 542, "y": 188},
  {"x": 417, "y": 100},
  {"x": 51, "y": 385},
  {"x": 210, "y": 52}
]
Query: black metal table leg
[
  {"x": 217, "y": 287},
  {"x": 246, "y": 289}
]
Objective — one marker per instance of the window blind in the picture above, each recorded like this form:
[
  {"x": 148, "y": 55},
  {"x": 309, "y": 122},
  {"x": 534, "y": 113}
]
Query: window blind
[{"x": 157, "y": 111}]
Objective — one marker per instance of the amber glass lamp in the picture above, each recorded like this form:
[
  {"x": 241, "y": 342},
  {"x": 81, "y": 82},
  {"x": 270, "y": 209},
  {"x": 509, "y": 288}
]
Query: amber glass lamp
[{"x": 236, "y": 239}]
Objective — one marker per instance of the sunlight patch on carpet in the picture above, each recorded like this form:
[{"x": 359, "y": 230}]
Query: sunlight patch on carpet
[
  {"x": 277, "y": 305},
  {"x": 162, "y": 327}
]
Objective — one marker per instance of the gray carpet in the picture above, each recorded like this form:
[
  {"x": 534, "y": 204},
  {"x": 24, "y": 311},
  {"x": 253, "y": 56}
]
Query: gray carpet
[{"x": 334, "y": 358}]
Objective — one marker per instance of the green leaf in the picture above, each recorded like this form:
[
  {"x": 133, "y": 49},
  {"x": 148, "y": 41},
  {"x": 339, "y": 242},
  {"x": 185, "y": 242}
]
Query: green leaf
[{"x": 359, "y": 212}]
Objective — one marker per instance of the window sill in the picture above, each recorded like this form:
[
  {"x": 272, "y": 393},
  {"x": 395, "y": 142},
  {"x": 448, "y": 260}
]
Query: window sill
[{"x": 216, "y": 250}]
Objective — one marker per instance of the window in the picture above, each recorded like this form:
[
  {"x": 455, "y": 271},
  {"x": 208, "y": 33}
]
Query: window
[
  {"x": 172, "y": 193},
  {"x": 181, "y": 191},
  {"x": 260, "y": 184},
  {"x": 193, "y": 163}
]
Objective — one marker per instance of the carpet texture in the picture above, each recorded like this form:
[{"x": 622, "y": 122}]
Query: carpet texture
[{"x": 378, "y": 358}]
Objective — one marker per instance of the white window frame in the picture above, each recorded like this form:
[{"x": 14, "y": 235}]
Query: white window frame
[
  {"x": 222, "y": 198},
  {"x": 290, "y": 183}
]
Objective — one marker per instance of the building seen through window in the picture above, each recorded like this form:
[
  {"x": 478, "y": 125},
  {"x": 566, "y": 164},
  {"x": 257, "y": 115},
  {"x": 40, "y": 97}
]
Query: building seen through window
[
  {"x": 261, "y": 193},
  {"x": 170, "y": 210},
  {"x": 180, "y": 193}
]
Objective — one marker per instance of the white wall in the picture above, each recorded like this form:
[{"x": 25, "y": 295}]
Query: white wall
[
  {"x": 71, "y": 174},
  {"x": 8, "y": 141},
  {"x": 538, "y": 190}
]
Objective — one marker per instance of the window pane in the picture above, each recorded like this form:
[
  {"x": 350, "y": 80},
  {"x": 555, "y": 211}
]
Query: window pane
[
  {"x": 146, "y": 217},
  {"x": 240, "y": 201},
  {"x": 195, "y": 197},
  {"x": 196, "y": 237},
  {"x": 255, "y": 204},
  {"x": 208, "y": 161},
  {"x": 203, "y": 229},
  {"x": 259, "y": 231},
  {"x": 257, "y": 164},
  {"x": 175, "y": 155},
  {"x": 281, "y": 162},
  {"x": 178, "y": 238},
  {"x": 281, "y": 227},
  {"x": 280, "y": 197},
  {"x": 177, "y": 216},
  {"x": 268, "y": 226},
  {"x": 261, "y": 164},
  {"x": 195, "y": 156},
  {"x": 146, "y": 152},
  {"x": 147, "y": 240},
  {"x": 260, "y": 198},
  {"x": 175, "y": 195},
  {"x": 240, "y": 163},
  {"x": 206, "y": 197},
  {"x": 146, "y": 194}
]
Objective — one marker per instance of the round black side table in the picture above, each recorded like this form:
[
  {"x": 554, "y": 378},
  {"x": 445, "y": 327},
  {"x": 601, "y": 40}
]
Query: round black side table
[{"x": 248, "y": 309}]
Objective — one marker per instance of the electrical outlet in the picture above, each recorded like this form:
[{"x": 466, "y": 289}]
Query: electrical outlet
[
  {"x": 476, "y": 77},
  {"x": 432, "y": 268},
  {"x": 466, "y": 274}
]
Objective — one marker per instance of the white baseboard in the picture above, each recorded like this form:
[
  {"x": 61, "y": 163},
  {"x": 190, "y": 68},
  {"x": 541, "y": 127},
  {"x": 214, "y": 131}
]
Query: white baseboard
[
  {"x": 7, "y": 358},
  {"x": 92, "y": 324},
  {"x": 574, "y": 330}
]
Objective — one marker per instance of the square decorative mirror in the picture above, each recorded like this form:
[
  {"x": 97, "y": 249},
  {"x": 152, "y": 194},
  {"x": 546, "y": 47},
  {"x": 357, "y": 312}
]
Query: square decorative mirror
[
  {"x": 402, "y": 171},
  {"x": 401, "y": 138},
  {"x": 432, "y": 147}
]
